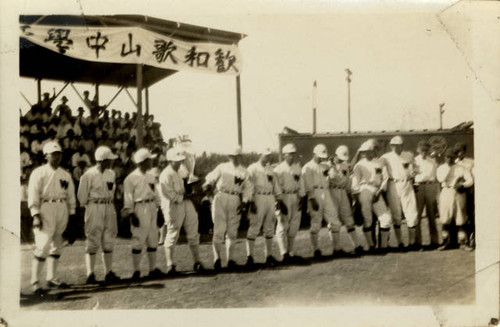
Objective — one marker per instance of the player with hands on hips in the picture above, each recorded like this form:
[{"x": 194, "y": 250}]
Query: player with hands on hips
[
  {"x": 140, "y": 205},
  {"x": 289, "y": 178},
  {"x": 233, "y": 192},
  {"x": 51, "y": 199},
  {"x": 266, "y": 196},
  {"x": 96, "y": 194},
  {"x": 178, "y": 210},
  {"x": 321, "y": 206}
]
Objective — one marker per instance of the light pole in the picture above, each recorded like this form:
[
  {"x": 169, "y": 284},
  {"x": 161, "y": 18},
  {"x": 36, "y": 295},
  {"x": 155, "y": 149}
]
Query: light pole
[
  {"x": 348, "y": 79},
  {"x": 441, "y": 112},
  {"x": 314, "y": 105}
]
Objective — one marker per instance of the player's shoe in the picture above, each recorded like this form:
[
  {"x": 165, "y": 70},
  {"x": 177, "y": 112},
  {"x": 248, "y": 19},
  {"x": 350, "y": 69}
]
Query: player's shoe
[
  {"x": 37, "y": 289},
  {"x": 359, "y": 251},
  {"x": 198, "y": 267},
  {"x": 111, "y": 278},
  {"x": 157, "y": 273},
  {"x": 271, "y": 261},
  {"x": 136, "y": 276},
  {"x": 57, "y": 284},
  {"x": 217, "y": 265},
  {"x": 415, "y": 247},
  {"x": 172, "y": 271},
  {"x": 250, "y": 263},
  {"x": 287, "y": 259},
  {"x": 91, "y": 279},
  {"x": 466, "y": 247},
  {"x": 232, "y": 265},
  {"x": 317, "y": 254}
]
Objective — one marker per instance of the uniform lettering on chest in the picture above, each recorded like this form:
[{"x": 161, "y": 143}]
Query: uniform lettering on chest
[
  {"x": 152, "y": 186},
  {"x": 64, "y": 183},
  {"x": 378, "y": 170},
  {"x": 296, "y": 177},
  {"x": 406, "y": 165},
  {"x": 325, "y": 172},
  {"x": 270, "y": 178},
  {"x": 344, "y": 172},
  {"x": 110, "y": 185},
  {"x": 238, "y": 180}
]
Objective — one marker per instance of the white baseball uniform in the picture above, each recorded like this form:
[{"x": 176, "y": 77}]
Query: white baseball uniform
[
  {"x": 339, "y": 184},
  {"x": 96, "y": 193},
  {"x": 51, "y": 193}
]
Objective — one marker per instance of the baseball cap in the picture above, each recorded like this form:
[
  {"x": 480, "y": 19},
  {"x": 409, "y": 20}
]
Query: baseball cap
[
  {"x": 396, "y": 140},
  {"x": 342, "y": 152},
  {"x": 320, "y": 151},
  {"x": 366, "y": 146},
  {"x": 143, "y": 154},
  {"x": 236, "y": 151},
  {"x": 64, "y": 98},
  {"x": 174, "y": 154},
  {"x": 51, "y": 147},
  {"x": 289, "y": 148},
  {"x": 104, "y": 153}
]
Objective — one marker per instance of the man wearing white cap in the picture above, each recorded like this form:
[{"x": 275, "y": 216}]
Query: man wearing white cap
[
  {"x": 178, "y": 210},
  {"x": 289, "y": 178},
  {"x": 51, "y": 198},
  {"x": 141, "y": 206},
  {"x": 338, "y": 177},
  {"x": 233, "y": 193},
  {"x": 321, "y": 206},
  {"x": 369, "y": 179},
  {"x": 266, "y": 192},
  {"x": 400, "y": 193},
  {"x": 96, "y": 194}
]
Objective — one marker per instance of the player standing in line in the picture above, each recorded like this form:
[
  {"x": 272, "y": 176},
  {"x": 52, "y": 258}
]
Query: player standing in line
[
  {"x": 321, "y": 206},
  {"x": 400, "y": 193},
  {"x": 267, "y": 194},
  {"x": 289, "y": 177},
  {"x": 339, "y": 183},
  {"x": 51, "y": 198},
  {"x": 179, "y": 211},
  {"x": 141, "y": 207},
  {"x": 233, "y": 194},
  {"x": 369, "y": 179},
  {"x": 96, "y": 194}
]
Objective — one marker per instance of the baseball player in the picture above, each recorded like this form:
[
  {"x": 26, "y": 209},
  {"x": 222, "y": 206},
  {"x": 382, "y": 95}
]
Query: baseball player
[
  {"x": 427, "y": 189},
  {"x": 141, "y": 207},
  {"x": 468, "y": 163},
  {"x": 369, "y": 179},
  {"x": 321, "y": 206},
  {"x": 289, "y": 178},
  {"x": 339, "y": 183},
  {"x": 96, "y": 194},
  {"x": 454, "y": 180},
  {"x": 266, "y": 192},
  {"x": 233, "y": 193},
  {"x": 178, "y": 210},
  {"x": 51, "y": 199},
  {"x": 400, "y": 193}
]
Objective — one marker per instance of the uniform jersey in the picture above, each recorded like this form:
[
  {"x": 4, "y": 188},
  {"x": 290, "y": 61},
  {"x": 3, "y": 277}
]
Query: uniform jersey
[
  {"x": 368, "y": 174},
  {"x": 338, "y": 176},
  {"x": 449, "y": 175},
  {"x": 426, "y": 169},
  {"x": 231, "y": 179},
  {"x": 263, "y": 179},
  {"x": 138, "y": 186},
  {"x": 315, "y": 177},
  {"x": 399, "y": 167},
  {"x": 171, "y": 187},
  {"x": 46, "y": 184},
  {"x": 289, "y": 178},
  {"x": 95, "y": 185},
  {"x": 467, "y": 163}
]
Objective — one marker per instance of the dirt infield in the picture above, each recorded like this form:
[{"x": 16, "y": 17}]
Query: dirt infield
[{"x": 415, "y": 278}]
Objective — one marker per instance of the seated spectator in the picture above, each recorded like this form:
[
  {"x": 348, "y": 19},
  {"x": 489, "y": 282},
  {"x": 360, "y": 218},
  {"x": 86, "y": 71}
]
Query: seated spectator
[
  {"x": 87, "y": 142},
  {"x": 24, "y": 140},
  {"x": 25, "y": 157},
  {"x": 125, "y": 120},
  {"x": 36, "y": 144},
  {"x": 78, "y": 171},
  {"x": 33, "y": 114},
  {"x": 50, "y": 136},
  {"x": 64, "y": 127},
  {"x": 105, "y": 140},
  {"x": 36, "y": 127},
  {"x": 77, "y": 126},
  {"x": 80, "y": 155},
  {"x": 24, "y": 126},
  {"x": 53, "y": 124},
  {"x": 121, "y": 143}
]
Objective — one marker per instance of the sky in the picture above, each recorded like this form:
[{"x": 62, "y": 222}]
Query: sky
[{"x": 403, "y": 61}]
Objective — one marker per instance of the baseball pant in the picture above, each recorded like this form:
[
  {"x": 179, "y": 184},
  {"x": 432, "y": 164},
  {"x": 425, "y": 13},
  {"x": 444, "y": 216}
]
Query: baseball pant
[
  {"x": 226, "y": 221},
  {"x": 326, "y": 211},
  {"x": 147, "y": 231},
  {"x": 181, "y": 215},
  {"x": 48, "y": 240},
  {"x": 452, "y": 206},
  {"x": 100, "y": 227},
  {"x": 401, "y": 200},
  {"x": 368, "y": 208},
  {"x": 427, "y": 196},
  {"x": 288, "y": 225},
  {"x": 265, "y": 217},
  {"x": 341, "y": 201}
]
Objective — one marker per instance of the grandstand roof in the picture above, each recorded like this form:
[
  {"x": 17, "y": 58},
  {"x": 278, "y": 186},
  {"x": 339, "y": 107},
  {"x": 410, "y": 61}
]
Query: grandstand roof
[{"x": 39, "y": 62}]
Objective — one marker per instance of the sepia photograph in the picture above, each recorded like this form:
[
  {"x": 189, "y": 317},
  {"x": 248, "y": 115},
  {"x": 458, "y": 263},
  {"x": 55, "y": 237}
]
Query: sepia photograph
[{"x": 268, "y": 159}]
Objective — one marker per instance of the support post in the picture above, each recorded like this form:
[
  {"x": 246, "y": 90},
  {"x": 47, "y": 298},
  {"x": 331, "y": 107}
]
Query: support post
[
  {"x": 314, "y": 120},
  {"x": 146, "y": 94},
  {"x": 96, "y": 94},
  {"x": 139, "y": 104},
  {"x": 39, "y": 89},
  {"x": 441, "y": 112},
  {"x": 238, "y": 108},
  {"x": 348, "y": 79},
  {"x": 314, "y": 105}
]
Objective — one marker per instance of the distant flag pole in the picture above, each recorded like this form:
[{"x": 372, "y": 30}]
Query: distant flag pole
[
  {"x": 348, "y": 79},
  {"x": 314, "y": 105},
  {"x": 441, "y": 112}
]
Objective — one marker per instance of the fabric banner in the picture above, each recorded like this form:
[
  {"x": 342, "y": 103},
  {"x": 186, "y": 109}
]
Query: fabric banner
[{"x": 134, "y": 45}]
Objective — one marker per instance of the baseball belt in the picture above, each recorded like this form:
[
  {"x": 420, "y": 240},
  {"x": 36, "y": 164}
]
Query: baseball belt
[
  {"x": 53, "y": 200},
  {"x": 230, "y": 192},
  {"x": 426, "y": 182},
  {"x": 337, "y": 187},
  {"x": 145, "y": 201},
  {"x": 290, "y": 192},
  {"x": 101, "y": 201},
  {"x": 319, "y": 187},
  {"x": 264, "y": 193},
  {"x": 399, "y": 180}
]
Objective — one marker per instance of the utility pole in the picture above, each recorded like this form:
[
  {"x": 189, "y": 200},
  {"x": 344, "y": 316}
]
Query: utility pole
[
  {"x": 348, "y": 79},
  {"x": 441, "y": 112},
  {"x": 314, "y": 105}
]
